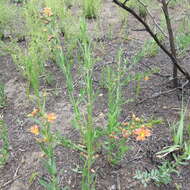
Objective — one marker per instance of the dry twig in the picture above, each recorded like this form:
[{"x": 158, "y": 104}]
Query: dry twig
[
  {"x": 171, "y": 39},
  {"x": 151, "y": 16}
]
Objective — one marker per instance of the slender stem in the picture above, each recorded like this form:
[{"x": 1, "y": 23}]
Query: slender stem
[
  {"x": 171, "y": 39},
  {"x": 151, "y": 16}
]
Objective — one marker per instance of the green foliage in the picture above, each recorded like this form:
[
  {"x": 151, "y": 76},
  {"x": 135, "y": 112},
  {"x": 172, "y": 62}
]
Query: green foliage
[
  {"x": 84, "y": 124},
  {"x": 32, "y": 59},
  {"x": 183, "y": 35},
  {"x": 2, "y": 96},
  {"x": 91, "y": 8},
  {"x": 150, "y": 48},
  {"x": 59, "y": 9},
  {"x": 113, "y": 82},
  {"x": 159, "y": 176},
  {"x": 6, "y": 17},
  {"x": 18, "y": 1},
  {"x": 174, "y": 3},
  {"x": 62, "y": 37},
  {"x": 178, "y": 130},
  {"x": 183, "y": 41},
  {"x": 181, "y": 144},
  {"x": 4, "y": 149},
  {"x": 179, "y": 140},
  {"x": 47, "y": 143},
  {"x": 50, "y": 165}
]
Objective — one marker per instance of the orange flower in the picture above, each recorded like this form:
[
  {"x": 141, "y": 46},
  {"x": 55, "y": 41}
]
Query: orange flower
[
  {"x": 51, "y": 117},
  {"x": 35, "y": 129},
  {"x": 146, "y": 78},
  {"x": 125, "y": 133},
  {"x": 125, "y": 123},
  {"x": 113, "y": 136},
  {"x": 50, "y": 37},
  {"x": 33, "y": 113},
  {"x": 142, "y": 133},
  {"x": 47, "y": 12}
]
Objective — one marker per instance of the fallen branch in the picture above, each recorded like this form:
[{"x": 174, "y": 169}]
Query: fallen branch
[
  {"x": 9, "y": 182},
  {"x": 156, "y": 95}
]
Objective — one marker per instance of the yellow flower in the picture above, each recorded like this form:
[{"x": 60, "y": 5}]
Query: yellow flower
[
  {"x": 47, "y": 11},
  {"x": 35, "y": 129},
  {"x": 142, "y": 133},
  {"x": 51, "y": 117}
]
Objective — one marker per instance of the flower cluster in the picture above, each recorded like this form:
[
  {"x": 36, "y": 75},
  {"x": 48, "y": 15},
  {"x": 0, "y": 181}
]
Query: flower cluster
[
  {"x": 35, "y": 129},
  {"x": 46, "y": 16},
  {"x": 136, "y": 127},
  {"x": 46, "y": 120},
  {"x": 142, "y": 133},
  {"x": 47, "y": 12},
  {"x": 34, "y": 112},
  {"x": 51, "y": 117}
]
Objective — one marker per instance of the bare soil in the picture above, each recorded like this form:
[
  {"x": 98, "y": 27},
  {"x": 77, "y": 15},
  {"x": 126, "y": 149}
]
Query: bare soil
[{"x": 157, "y": 99}]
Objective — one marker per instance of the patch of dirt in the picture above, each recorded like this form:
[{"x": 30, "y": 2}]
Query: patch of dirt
[{"x": 155, "y": 100}]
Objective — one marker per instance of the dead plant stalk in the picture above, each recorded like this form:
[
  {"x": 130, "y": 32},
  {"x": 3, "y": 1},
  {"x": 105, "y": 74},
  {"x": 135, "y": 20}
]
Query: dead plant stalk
[{"x": 171, "y": 39}]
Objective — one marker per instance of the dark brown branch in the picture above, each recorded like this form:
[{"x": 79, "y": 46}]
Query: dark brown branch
[
  {"x": 171, "y": 40},
  {"x": 148, "y": 29}
]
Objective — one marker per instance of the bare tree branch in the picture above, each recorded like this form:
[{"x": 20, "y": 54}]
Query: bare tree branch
[
  {"x": 154, "y": 36},
  {"x": 149, "y": 13},
  {"x": 171, "y": 39}
]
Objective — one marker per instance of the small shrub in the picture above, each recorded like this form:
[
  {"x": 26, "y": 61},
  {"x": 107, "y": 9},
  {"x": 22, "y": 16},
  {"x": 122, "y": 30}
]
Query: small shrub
[
  {"x": 2, "y": 96},
  {"x": 4, "y": 142},
  {"x": 91, "y": 8}
]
